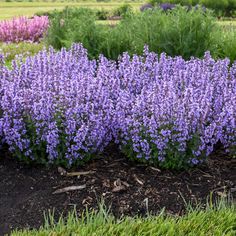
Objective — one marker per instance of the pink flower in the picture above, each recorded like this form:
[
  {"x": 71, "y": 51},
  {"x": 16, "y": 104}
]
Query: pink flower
[{"x": 23, "y": 29}]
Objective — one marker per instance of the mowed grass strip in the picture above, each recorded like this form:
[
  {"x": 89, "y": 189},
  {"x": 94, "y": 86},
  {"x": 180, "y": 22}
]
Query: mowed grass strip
[
  {"x": 13, "y": 9},
  {"x": 217, "y": 221}
]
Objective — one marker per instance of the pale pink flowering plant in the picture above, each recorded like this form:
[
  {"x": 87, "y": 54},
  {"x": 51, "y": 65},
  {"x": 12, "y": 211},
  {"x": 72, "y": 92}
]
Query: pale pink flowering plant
[{"x": 23, "y": 29}]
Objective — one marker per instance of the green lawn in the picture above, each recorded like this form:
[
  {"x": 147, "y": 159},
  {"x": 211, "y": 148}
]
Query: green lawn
[{"x": 12, "y": 9}]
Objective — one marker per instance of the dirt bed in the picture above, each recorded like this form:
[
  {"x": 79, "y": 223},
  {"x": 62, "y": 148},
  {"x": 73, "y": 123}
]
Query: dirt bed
[{"x": 26, "y": 192}]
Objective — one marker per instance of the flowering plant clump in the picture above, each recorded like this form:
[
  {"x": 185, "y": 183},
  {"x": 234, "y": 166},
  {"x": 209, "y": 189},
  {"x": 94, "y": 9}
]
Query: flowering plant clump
[
  {"x": 175, "y": 111},
  {"x": 63, "y": 107},
  {"x": 55, "y": 106},
  {"x": 23, "y": 29}
]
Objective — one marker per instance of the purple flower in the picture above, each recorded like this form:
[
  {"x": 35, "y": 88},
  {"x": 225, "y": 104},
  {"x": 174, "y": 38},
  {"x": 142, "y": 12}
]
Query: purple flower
[
  {"x": 61, "y": 106},
  {"x": 166, "y": 6}
]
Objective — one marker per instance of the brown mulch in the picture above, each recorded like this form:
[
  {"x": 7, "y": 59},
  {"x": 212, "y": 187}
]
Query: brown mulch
[{"x": 26, "y": 192}]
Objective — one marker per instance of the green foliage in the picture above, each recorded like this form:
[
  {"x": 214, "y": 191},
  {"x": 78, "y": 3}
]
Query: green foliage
[
  {"x": 174, "y": 159},
  {"x": 226, "y": 46},
  {"x": 23, "y": 49},
  {"x": 221, "y": 7},
  {"x": 214, "y": 220},
  {"x": 74, "y": 25},
  {"x": 74, "y": 12},
  {"x": 218, "y": 6},
  {"x": 230, "y": 10},
  {"x": 185, "y": 33},
  {"x": 50, "y": 14},
  {"x": 122, "y": 10},
  {"x": 181, "y": 2},
  {"x": 102, "y": 14},
  {"x": 179, "y": 32}
]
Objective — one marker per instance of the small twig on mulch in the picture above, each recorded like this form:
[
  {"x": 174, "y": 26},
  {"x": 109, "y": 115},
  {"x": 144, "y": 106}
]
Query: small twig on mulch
[
  {"x": 120, "y": 186},
  {"x": 154, "y": 168},
  {"x": 80, "y": 173},
  {"x": 70, "y": 188},
  {"x": 71, "y": 174},
  {"x": 137, "y": 179}
]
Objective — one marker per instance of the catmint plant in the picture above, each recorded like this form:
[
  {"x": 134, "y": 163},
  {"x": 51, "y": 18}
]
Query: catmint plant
[{"x": 62, "y": 107}]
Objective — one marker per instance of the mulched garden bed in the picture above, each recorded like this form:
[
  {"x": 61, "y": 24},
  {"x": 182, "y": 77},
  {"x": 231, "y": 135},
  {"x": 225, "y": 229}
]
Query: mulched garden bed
[{"x": 130, "y": 189}]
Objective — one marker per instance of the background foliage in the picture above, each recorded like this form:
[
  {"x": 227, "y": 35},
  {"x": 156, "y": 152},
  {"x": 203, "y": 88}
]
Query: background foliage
[
  {"x": 177, "y": 32},
  {"x": 221, "y": 7}
]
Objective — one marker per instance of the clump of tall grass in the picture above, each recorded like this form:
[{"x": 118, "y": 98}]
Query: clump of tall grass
[
  {"x": 177, "y": 32},
  {"x": 75, "y": 26},
  {"x": 214, "y": 220}
]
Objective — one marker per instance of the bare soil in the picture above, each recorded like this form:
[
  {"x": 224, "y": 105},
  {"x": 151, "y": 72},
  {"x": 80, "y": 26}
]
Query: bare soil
[{"x": 26, "y": 192}]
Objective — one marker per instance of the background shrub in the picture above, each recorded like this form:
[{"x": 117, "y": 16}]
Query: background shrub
[
  {"x": 181, "y": 2},
  {"x": 122, "y": 10},
  {"x": 231, "y": 8},
  {"x": 187, "y": 33},
  {"x": 75, "y": 25},
  {"x": 102, "y": 14},
  {"x": 179, "y": 32},
  {"x": 226, "y": 44},
  {"x": 220, "y": 7}
]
